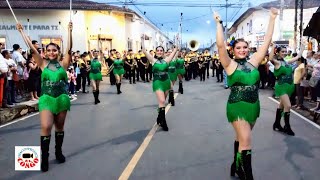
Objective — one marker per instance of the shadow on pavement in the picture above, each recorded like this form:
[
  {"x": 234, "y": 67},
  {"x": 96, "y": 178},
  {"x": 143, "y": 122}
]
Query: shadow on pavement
[{"x": 297, "y": 147}]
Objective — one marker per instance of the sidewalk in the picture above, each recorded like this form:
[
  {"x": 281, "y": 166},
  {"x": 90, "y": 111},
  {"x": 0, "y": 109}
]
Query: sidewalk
[
  {"x": 314, "y": 117},
  {"x": 17, "y": 111}
]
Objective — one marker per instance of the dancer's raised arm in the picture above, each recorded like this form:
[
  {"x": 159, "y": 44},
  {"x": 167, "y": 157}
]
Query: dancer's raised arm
[
  {"x": 299, "y": 55},
  {"x": 172, "y": 55},
  {"x": 37, "y": 57},
  {"x": 67, "y": 57},
  {"x": 258, "y": 57},
  {"x": 222, "y": 50},
  {"x": 149, "y": 57}
]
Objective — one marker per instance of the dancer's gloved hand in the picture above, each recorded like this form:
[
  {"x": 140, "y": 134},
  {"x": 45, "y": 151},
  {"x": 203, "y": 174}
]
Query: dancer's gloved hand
[
  {"x": 19, "y": 27},
  {"x": 273, "y": 12}
]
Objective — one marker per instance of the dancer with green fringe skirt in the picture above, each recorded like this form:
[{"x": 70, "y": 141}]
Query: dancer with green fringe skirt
[
  {"x": 172, "y": 76},
  {"x": 54, "y": 101},
  {"x": 161, "y": 82},
  {"x": 284, "y": 87},
  {"x": 243, "y": 80},
  {"x": 118, "y": 71},
  {"x": 180, "y": 70},
  {"x": 95, "y": 74}
]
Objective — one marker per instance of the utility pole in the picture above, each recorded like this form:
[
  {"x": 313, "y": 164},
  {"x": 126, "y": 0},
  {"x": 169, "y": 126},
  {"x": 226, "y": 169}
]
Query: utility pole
[
  {"x": 281, "y": 19},
  {"x": 295, "y": 26},
  {"x": 226, "y": 28},
  {"x": 181, "y": 30},
  {"x": 301, "y": 20}
]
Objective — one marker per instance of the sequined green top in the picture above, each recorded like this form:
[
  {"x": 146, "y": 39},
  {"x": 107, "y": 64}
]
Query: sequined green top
[
  {"x": 118, "y": 64},
  {"x": 95, "y": 66},
  {"x": 54, "y": 80},
  {"x": 244, "y": 83},
  {"x": 172, "y": 66},
  {"x": 284, "y": 73},
  {"x": 180, "y": 63},
  {"x": 160, "y": 70},
  {"x": 243, "y": 102}
]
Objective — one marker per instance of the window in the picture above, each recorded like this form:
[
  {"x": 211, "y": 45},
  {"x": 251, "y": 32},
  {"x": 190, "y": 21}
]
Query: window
[
  {"x": 47, "y": 40},
  {"x": 250, "y": 26},
  {"x": 129, "y": 44},
  {"x": 242, "y": 31}
]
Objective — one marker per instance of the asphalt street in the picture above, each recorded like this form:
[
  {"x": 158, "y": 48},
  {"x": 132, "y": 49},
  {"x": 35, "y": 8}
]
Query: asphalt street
[{"x": 100, "y": 140}]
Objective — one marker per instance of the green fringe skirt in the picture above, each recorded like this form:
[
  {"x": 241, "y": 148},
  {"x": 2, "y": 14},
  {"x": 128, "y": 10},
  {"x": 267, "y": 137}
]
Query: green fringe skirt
[
  {"x": 55, "y": 105},
  {"x": 243, "y": 110}
]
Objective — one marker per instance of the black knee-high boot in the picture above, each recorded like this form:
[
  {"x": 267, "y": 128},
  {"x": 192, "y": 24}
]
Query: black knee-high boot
[
  {"x": 277, "y": 124},
  {"x": 97, "y": 92},
  {"x": 59, "y": 141},
  {"x": 95, "y": 97},
  {"x": 161, "y": 120},
  {"x": 287, "y": 128},
  {"x": 244, "y": 168},
  {"x": 171, "y": 97},
  {"x": 120, "y": 88},
  {"x": 180, "y": 87},
  {"x": 45, "y": 142},
  {"x": 233, "y": 169}
]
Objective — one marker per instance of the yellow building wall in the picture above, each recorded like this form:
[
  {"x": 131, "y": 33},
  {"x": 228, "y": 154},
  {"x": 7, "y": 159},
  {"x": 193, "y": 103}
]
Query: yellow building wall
[{"x": 109, "y": 24}]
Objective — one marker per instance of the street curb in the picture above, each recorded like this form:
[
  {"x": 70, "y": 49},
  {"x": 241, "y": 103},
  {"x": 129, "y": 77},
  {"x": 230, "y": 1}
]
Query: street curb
[
  {"x": 19, "y": 112},
  {"x": 307, "y": 119}
]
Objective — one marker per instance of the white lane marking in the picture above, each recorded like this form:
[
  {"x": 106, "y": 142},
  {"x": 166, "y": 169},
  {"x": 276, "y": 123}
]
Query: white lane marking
[
  {"x": 25, "y": 117},
  {"x": 302, "y": 117}
]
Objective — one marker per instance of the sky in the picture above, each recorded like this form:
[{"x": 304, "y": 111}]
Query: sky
[{"x": 197, "y": 21}]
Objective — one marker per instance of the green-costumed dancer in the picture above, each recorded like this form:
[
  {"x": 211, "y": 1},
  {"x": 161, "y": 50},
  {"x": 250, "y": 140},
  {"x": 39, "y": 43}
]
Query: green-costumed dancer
[
  {"x": 180, "y": 70},
  {"x": 284, "y": 87},
  {"x": 118, "y": 71},
  {"x": 54, "y": 101},
  {"x": 161, "y": 83},
  {"x": 172, "y": 75},
  {"x": 243, "y": 106},
  {"x": 95, "y": 75}
]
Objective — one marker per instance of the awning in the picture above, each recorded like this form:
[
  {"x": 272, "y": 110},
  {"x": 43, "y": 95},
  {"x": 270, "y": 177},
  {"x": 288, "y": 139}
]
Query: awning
[{"x": 313, "y": 27}]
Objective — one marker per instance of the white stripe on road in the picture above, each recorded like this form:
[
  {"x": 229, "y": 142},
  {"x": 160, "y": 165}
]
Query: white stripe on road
[
  {"x": 26, "y": 117},
  {"x": 138, "y": 154},
  {"x": 302, "y": 117}
]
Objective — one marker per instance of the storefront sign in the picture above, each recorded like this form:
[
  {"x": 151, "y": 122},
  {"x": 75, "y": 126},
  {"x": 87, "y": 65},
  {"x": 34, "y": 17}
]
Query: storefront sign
[{"x": 31, "y": 27}]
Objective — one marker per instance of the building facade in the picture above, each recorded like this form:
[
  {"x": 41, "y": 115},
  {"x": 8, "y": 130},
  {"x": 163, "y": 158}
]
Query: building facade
[
  {"x": 95, "y": 25},
  {"x": 253, "y": 25}
]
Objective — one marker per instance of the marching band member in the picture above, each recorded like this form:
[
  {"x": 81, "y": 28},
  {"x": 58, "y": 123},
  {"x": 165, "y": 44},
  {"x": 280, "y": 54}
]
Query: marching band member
[
  {"x": 161, "y": 82},
  {"x": 54, "y": 101},
  {"x": 202, "y": 67},
  {"x": 130, "y": 67},
  {"x": 207, "y": 58},
  {"x": 243, "y": 78}
]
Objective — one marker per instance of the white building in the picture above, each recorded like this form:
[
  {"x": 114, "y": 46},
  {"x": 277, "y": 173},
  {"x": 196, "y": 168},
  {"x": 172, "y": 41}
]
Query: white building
[
  {"x": 95, "y": 25},
  {"x": 252, "y": 24}
]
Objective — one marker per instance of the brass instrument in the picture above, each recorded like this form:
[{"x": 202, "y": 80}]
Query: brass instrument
[
  {"x": 110, "y": 69},
  {"x": 193, "y": 45},
  {"x": 134, "y": 64}
]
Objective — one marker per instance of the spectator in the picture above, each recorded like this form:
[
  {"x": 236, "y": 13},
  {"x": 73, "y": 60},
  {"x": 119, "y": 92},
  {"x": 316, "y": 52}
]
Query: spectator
[
  {"x": 3, "y": 79},
  {"x": 72, "y": 81},
  {"x": 299, "y": 75},
  {"x": 34, "y": 78},
  {"x": 315, "y": 79},
  {"x": 11, "y": 75},
  {"x": 20, "y": 62}
]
